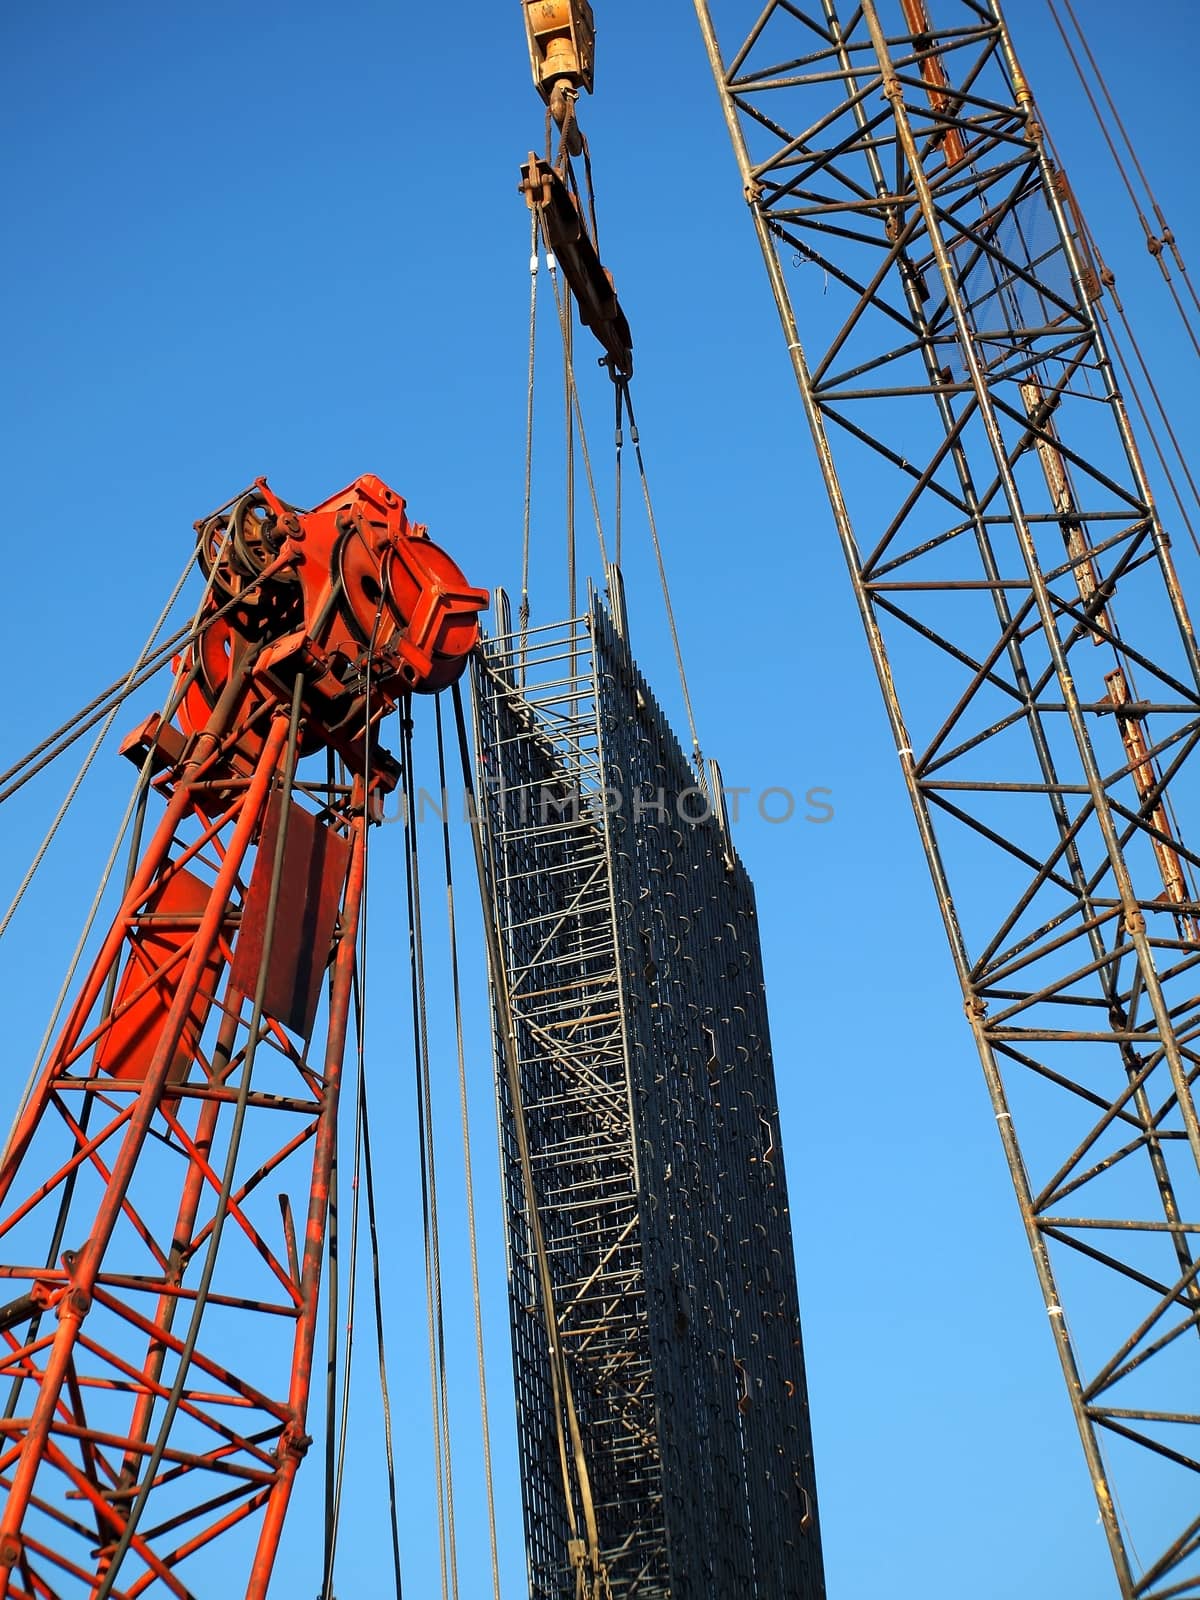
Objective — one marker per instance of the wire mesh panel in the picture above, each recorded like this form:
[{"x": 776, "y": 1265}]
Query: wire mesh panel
[{"x": 635, "y": 997}]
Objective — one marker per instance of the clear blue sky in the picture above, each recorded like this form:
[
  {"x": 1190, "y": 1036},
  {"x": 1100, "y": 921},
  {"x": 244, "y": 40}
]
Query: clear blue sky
[{"x": 285, "y": 238}]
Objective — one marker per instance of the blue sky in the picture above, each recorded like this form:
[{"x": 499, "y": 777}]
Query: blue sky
[{"x": 252, "y": 238}]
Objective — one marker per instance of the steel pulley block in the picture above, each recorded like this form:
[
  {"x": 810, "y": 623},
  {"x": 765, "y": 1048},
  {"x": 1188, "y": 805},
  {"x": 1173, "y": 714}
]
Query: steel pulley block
[{"x": 350, "y": 580}]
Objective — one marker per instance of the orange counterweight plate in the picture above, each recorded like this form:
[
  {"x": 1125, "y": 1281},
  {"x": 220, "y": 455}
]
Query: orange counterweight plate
[{"x": 141, "y": 1006}]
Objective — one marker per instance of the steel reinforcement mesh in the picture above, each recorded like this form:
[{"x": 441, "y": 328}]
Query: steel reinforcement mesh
[{"x": 630, "y": 940}]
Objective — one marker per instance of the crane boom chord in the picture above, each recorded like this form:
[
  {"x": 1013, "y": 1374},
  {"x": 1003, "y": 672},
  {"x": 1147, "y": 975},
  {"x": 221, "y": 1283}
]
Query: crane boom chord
[{"x": 1036, "y": 657}]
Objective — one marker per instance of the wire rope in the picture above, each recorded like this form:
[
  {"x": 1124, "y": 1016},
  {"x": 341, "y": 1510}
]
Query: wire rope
[
  {"x": 170, "y": 705},
  {"x": 591, "y": 193},
  {"x": 429, "y": 1214},
  {"x": 1167, "y": 236},
  {"x": 468, "y": 1178},
  {"x": 120, "y": 685},
  {"x": 75, "y": 728},
  {"x": 523, "y": 613},
  {"x": 635, "y": 441},
  {"x": 363, "y": 1179},
  {"x": 1154, "y": 242},
  {"x": 362, "y": 1160},
  {"x": 619, "y": 442},
  {"x": 333, "y": 1527},
  {"x": 1132, "y": 387},
  {"x": 1152, "y": 432},
  {"x": 563, "y": 306},
  {"x": 568, "y": 347},
  {"x": 135, "y": 808},
  {"x": 93, "y": 751},
  {"x": 154, "y": 666},
  {"x": 384, "y": 1388},
  {"x": 567, "y": 170},
  {"x": 333, "y": 771}
]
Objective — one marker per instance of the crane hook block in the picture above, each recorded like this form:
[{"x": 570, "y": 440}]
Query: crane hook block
[
  {"x": 589, "y": 281},
  {"x": 562, "y": 44}
]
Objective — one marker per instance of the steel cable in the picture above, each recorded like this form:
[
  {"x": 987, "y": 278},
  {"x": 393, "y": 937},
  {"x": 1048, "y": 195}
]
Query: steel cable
[
  {"x": 1149, "y": 426},
  {"x": 363, "y": 1178},
  {"x": 77, "y": 731},
  {"x": 106, "y": 727},
  {"x": 568, "y": 346},
  {"x": 1154, "y": 242},
  {"x": 335, "y": 772},
  {"x": 1167, "y": 235},
  {"x": 334, "y": 1504},
  {"x": 468, "y": 1179},
  {"x": 121, "y": 684},
  {"x": 336, "y": 1463},
  {"x": 384, "y": 1391},
  {"x": 135, "y": 804},
  {"x": 563, "y": 306},
  {"x": 635, "y": 440},
  {"x": 1132, "y": 388},
  {"x": 376, "y": 1275},
  {"x": 435, "y": 1327},
  {"x": 619, "y": 441},
  {"x": 75, "y": 728},
  {"x": 523, "y": 613},
  {"x": 136, "y": 800},
  {"x": 332, "y": 1331},
  {"x": 169, "y": 708}
]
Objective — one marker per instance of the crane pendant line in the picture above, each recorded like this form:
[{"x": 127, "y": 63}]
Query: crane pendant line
[{"x": 164, "y": 1404}]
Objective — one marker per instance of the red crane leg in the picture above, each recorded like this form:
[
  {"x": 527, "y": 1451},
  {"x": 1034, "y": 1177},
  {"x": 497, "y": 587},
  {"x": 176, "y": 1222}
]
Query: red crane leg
[
  {"x": 185, "y": 1227},
  {"x": 71, "y": 1293},
  {"x": 294, "y": 1446}
]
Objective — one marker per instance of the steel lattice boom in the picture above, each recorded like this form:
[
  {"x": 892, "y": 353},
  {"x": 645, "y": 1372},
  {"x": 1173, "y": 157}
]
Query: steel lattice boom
[{"x": 1036, "y": 656}]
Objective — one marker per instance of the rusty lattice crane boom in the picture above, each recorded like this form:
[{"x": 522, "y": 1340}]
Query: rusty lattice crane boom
[{"x": 1036, "y": 657}]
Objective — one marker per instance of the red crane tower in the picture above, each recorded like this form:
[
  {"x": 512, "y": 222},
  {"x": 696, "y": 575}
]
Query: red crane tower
[{"x": 165, "y": 1192}]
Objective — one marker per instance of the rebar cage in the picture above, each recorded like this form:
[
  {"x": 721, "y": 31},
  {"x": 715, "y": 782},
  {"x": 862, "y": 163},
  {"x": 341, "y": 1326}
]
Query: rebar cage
[{"x": 636, "y": 1004}]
